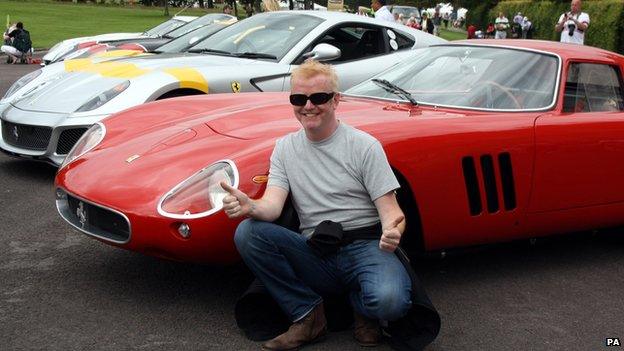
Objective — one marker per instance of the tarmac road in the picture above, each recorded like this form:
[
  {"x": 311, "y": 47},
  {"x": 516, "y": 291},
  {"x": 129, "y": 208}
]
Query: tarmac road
[{"x": 60, "y": 290}]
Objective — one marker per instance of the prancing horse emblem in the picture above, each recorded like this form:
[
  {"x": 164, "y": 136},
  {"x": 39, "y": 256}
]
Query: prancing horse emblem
[
  {"x": 15, "y": 132},
  {"x": 81, "y": 212},
  {"x": 236, "y": 87}
]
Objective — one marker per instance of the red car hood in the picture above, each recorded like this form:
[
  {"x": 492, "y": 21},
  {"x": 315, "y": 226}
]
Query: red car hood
[
  {"x": 274, "y": 116},
  {"x": 151, "y": 148}
]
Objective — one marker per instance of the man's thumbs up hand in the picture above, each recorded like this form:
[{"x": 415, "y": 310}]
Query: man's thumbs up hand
[
  {"x": 236, "y": 203},
  {"x": 391, "y": 236}
]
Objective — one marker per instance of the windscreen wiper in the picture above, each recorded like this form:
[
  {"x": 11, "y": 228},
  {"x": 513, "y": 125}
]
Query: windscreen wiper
[
  {"x": 254, "y": 55},
  {"x": 394, "y": 89},
  {"x": 210, "y": 51}
]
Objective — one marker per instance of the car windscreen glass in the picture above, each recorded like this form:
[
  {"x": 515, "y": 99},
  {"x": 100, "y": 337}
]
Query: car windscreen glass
[
  {"x": 270, "y": 33},
  {"x": 472, "y": 77},
  {"x": 164, "y": 27},
  {"x": 197, "y": 23},
  {"x": 189, "y": 39}
]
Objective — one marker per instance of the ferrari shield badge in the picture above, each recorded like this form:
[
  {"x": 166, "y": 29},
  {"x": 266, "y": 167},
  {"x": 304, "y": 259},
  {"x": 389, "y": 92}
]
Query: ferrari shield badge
[
  {"x": 132, "y": 158},
  {"x": 235, "y": 87}
]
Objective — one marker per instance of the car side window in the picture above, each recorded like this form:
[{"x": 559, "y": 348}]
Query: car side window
[
  {"x": 354, "y": 42},
  {"x": 592, "y": 87},
  {"x": 402, "y": 41}
]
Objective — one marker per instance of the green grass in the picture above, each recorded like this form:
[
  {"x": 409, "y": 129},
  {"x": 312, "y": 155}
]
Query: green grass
[
  {"x": 50, "y": 22},
  {"x": 452, "y": 35}
]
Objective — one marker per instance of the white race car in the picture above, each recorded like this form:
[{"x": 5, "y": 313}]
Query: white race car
[{"x": 60, "y": 50}]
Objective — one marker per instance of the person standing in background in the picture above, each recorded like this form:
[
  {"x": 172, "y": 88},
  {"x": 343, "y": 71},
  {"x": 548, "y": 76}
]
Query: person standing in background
[
  {"x": 381, "y": 11},
  {"x": 527, "y": 32},
  {"x": 426, "y": 24},
  {"x": 573, "y": 24},
  {"x": 437, "y": 21},
  {"x": 472, "y": 32},
  {"x": 489, "y": 31},
  {"x": 518, "y": 18},
  {"x": 270, "y": 5},
  {"x": 501, "y": 24}
]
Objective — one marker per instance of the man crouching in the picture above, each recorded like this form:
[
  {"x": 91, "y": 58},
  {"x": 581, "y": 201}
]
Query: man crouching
[{"x": 342, "y": 188}]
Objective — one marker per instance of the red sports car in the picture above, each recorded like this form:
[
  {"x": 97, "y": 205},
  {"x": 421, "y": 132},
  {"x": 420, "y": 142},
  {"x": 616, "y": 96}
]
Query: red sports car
[{"x": 491, "y": 141}]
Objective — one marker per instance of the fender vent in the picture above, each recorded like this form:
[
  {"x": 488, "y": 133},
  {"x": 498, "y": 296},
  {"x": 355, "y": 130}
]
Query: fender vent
[
  {"x": 489, "y": 170},
  {"x": 509, "y": 192},
  {"x": 472, "y": 186}
]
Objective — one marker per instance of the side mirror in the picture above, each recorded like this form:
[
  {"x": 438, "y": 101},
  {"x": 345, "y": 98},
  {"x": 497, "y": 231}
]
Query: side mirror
[{"x": 323, "y": 52}]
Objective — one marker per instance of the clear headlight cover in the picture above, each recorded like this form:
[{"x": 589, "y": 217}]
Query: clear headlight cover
[
  {"x": 61, "y": 49},
  {"x": 102, "y": 98},
  {"x": 90, "y": 139},
  {"x": 56, "y": 46},
  {"x": 21, "y": 82},
  {"x": 201, "y": 194}
]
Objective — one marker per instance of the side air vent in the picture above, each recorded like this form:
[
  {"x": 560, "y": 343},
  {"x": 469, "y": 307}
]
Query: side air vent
[
  {"x": 489, "y": 180},
  {"x": 472, "y": 186},
  {"x": 489, "y": 170},
  {"x": 509, "y": 191}
]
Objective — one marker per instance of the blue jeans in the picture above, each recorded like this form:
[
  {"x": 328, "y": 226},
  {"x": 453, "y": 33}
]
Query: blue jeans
[{"x": 376, "y": 281}]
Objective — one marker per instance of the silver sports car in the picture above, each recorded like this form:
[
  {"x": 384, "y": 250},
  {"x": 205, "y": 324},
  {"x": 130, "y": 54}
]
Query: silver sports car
[
  {"x": 148, "y": 43},
  {"x": 61, "y": 49},
  {"x": 100, "y": 53},
  {"x": 256, "y": 54}
]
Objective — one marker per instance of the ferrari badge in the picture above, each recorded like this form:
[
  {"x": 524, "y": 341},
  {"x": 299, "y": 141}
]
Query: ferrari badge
[{"x": 132, "y": 158}]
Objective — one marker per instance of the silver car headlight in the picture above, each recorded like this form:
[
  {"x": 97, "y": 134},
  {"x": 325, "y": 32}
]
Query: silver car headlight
[
  {"x": 59, "y": 50},
  {"x": 102, "y": 98},
  {"x": 56, "y": 46},
  {"x": 90, "y": 139},
  {"x": 201, "y": 194},
  {"x": 21, "y": 82}
]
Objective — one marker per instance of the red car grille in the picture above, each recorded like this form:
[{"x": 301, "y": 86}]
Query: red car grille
[{"x": 97, "y": 221}]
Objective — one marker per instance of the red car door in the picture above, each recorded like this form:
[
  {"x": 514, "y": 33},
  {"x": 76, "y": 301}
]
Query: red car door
[{"x": 579, "y": 161}]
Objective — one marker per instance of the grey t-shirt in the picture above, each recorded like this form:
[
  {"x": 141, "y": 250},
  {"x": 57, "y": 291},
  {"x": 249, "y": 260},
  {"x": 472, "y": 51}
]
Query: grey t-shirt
[{"x": 335, "y": 179}]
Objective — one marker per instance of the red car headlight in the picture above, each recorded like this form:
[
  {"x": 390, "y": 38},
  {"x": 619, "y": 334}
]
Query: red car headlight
[
  {"x": 90, "y": 139},
  {"x": 201, "y": 194}
]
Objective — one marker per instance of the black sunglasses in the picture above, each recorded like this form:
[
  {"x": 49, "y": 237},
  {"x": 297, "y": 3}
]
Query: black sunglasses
[{"x": 316, "y": 98}]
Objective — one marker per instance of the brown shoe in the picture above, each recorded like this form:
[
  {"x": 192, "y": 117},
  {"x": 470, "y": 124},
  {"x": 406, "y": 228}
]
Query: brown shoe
[
  {"x": 307, "y": 330},
  {"x": 366, "y": 331}
]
